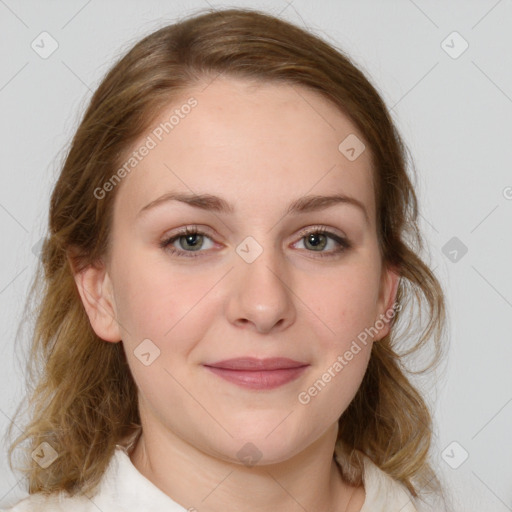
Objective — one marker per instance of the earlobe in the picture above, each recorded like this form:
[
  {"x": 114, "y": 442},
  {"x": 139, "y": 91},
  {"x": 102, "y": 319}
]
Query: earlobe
[{"x": 96, "y": 292}]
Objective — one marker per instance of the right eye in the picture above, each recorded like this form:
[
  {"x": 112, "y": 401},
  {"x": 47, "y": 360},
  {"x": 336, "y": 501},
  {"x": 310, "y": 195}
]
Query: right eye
[{"x": 188, "y": 238}]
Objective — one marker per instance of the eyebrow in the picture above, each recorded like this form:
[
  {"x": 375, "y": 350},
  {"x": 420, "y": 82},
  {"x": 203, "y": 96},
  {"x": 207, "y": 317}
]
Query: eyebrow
[{"x": 214, "y": 203}]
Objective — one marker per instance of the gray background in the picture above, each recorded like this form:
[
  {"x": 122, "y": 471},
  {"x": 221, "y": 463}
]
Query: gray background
[{"x": 454, "y": 112}]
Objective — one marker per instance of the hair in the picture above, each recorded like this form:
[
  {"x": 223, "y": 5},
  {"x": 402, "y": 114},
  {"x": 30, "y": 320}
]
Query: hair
[{"x": 84, "y": 400}]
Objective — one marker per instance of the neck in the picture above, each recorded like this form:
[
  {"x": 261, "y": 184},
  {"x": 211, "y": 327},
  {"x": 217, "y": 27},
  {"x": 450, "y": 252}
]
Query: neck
[{"x": 310, "y": 480}]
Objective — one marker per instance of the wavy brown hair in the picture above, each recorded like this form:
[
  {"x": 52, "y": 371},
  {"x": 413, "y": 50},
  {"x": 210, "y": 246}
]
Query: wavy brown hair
[{"x": 82, "y": 398}]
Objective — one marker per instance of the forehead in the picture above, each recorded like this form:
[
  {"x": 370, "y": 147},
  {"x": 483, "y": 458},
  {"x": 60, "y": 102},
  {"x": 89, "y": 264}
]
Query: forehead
[{"x": 259, "y": 143}]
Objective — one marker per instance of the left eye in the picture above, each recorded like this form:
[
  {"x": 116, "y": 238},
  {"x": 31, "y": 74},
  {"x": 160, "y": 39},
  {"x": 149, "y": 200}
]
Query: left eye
[
  {"x": 317, "y": 239},
  {"x": 191, "y": 241}
]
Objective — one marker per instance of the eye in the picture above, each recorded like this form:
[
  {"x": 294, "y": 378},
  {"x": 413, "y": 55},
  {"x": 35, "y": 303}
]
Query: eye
[
  {"x": 316, "y": 239},
  {"x": 189, "y": 240}
]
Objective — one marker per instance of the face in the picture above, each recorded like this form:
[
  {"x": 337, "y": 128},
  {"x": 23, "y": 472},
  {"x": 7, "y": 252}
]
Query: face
[{"x": 256, "y": 280}]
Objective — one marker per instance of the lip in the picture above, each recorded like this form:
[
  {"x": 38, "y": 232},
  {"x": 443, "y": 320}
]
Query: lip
[
  {"x": 253, "y": 373},
  {"x": 255, "y": 364}
]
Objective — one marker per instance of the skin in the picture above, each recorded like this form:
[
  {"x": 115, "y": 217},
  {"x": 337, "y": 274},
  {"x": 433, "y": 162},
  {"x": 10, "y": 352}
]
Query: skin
[{"x": 259, "y": 147}]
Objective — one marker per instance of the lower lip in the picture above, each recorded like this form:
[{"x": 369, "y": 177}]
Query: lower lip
[{"x": 269, "y": 379}]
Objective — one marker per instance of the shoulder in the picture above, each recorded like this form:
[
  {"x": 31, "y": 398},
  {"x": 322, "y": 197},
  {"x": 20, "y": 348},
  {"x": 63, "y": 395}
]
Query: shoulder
[
  {"x": 62, "y": 502},
  {"x": 122, "y": 489},
  {"x": 382, "y": 492},
  {"x": 54, "y": 503}
]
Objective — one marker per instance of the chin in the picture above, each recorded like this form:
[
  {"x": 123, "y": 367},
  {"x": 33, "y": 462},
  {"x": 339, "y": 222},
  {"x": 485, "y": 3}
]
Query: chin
[{"x": 261, "y": 448}]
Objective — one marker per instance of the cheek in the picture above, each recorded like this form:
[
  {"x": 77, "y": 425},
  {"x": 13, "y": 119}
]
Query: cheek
[
  {"x": 344, "y": 302},
  {"x": 347, "y": 307},
  {"x": 162, "y": 305},
  {"x": 171, "y": 309},
  {"x": 347, "y": 303}
]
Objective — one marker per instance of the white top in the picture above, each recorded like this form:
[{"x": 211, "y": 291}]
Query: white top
[{"x": 124, "y": 489}]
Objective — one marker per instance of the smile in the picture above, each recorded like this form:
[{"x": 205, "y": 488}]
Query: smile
[{"x": 259, "y": 379}]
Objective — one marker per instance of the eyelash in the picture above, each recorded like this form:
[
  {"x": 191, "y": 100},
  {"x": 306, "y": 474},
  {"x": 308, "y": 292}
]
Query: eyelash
[{"x": 344, "y": 244}]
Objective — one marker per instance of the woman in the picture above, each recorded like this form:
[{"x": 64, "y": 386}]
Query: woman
[{"x": 231, "y": 243}]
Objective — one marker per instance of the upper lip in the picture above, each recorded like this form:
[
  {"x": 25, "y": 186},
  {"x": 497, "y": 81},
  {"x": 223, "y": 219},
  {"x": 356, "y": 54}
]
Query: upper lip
[{"x": 255, "y": 364}]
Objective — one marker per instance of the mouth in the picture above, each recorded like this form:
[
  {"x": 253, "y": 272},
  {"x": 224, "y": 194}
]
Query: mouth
[{"x": 260, "y": 374}]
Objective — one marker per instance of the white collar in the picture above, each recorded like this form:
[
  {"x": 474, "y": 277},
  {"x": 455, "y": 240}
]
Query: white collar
[
  {"x": 124, "y": 489},
  {"x": 122, "y": 478}
]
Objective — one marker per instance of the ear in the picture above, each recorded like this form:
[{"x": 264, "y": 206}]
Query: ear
[
  {"x": 387, "y": 296},
  {"x": 96, "y": 291}
]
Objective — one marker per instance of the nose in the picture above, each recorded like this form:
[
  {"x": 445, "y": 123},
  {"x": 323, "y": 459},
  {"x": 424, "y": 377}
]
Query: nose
[{"x": 261, "y": 297}]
